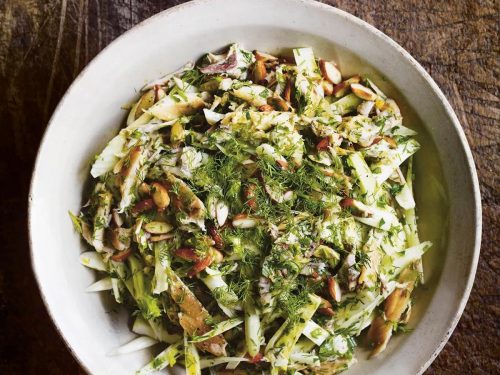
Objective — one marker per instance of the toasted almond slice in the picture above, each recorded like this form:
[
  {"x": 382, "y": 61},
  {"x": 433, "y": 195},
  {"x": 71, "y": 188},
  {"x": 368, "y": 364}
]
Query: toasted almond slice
[
  {"x": 330, "y": 72},
  {"x": 346, "y": 202},
  {"x": 392, "y": 143},
  {"x": 221, "y": 212},
  {"x": 200, "y": 265},
  {"x": 341, "y": 89},
  {"x": 327, "y": 87},
  {"x": 161, "y": 237},
  {"x": 244, "y": 221},
  {"x": 288, "y": 196},
  {"x": 187, "y": 253},
  {"x": 249, "y": 195},
  {"x": 160, "y": 195},
  {"x": 145, "y": 102},
  {"x": 393, "y": 106},
  {"x": 144, "y": 205},
  {"x": 328, "y": 311},
  {"x": 380, "y": 330},
  {"x": 259, "y": 71},
  {"x": 262, "y": 56},
  {"x": 144, "y": 188},
  {"x": 158, "y": 227},
  {"x": 282, "y": 163},
  {"x": 334, "y": 289},
  {"x": 159, "y": 93},
  {"x": 117, "y": 219},
  {"x": 122, "y": 255},
  {"x": 216, "y": 237},
  {"x": 133, "y": 162},
  {"x": 325, "y": 304},
  {"x": 120, "y": 238},
  {"x": 287, "y": 93},
  {"x": 363, "y": 92},
  {"x": 266, "y": 108},
  {"x": 278, "y": 104}
]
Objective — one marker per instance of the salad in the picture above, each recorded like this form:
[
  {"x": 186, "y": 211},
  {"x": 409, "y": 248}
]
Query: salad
[{"x": 256, "y": 215}]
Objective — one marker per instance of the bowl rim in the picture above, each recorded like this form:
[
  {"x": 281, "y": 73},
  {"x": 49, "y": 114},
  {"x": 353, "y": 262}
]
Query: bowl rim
[{"x": 368, "y": 28}]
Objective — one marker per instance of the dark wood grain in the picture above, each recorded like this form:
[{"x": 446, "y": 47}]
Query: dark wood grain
[{"x": 45, "y": 43}]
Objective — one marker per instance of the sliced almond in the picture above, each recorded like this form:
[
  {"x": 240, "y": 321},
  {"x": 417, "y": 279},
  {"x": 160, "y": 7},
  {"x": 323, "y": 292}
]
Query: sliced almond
[
  {"x": 160, "y": 195},
  {"x": 216, "y": 237},
  {"x": 266, "y": 108},
  {"x": 200, "y": 265},
  {"x": 133, "y": 161},
  {"x": 327, "y": 87},
  {"x": 146, "y": 101},
  {"x": 363, "y": 92},
  {"x": 325, "y": 304},
  {"x": 159, "y": 93},
  {"x": 288, "y": 196},
  {"x": 120, "y": 238},
  {"x": 144, "y": 188},
  {"x": 262, "y": 56},
  {"x": 393, "y": 106},
  {"x": 117, "y": 219},
  {"x": 161, "y": 237},
  {"x": 278, "y": 104},
  {"x": 187, "y": 253},
  {"x": 341, "y": 89},
  {"x": 259, "y": 72},
  {"x": 326, "y": 311},
  {"x": 380, "y": 330},
  {"x": 249, "y": 195},
  {"x": 287, "y": 93},
  {"x": 244, "y": 221},
  {"x": 330, "y": 72},
  {"x": 158, "y": 227},
  {"x": 122, "y": 255},
  {"x": 282, "y": 163},
  {"x": 142, "y": 206},
  {"x": 334, "y": 289},
  {"x": 392, "y": 143},
  {"x": 221, "y": 212},
  {"x": 346, "y": 202}
]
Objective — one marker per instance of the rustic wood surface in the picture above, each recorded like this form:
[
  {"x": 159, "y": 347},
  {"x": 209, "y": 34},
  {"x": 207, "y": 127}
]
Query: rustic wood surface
[{"x": 45, "y": 43}]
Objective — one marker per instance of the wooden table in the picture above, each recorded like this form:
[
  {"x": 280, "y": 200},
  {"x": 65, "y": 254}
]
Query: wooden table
[{"x": 43, "y": 46}]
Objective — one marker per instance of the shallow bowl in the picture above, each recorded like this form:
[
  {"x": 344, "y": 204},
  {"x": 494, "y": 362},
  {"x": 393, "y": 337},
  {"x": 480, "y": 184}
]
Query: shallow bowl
[{"x": 89, "y": 115}]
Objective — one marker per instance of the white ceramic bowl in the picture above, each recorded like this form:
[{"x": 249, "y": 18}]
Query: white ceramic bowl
[{"x": 89, "y": 114}]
